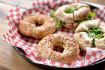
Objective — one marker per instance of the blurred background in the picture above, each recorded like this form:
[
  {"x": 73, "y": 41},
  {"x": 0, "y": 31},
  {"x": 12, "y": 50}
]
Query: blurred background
[
  {"x": 6, "y": 5},
  {"x": 96, "y": 1},
  {"x": 9, "y": 59}
]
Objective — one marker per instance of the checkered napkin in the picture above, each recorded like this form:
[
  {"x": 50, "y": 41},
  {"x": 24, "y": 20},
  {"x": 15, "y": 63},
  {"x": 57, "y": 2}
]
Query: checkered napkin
[{"x": 29, "y": 45}]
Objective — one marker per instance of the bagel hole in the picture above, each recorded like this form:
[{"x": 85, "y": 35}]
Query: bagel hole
[
  {"x": 58, "y": 49},
  {"x": 38, "y": 24}
]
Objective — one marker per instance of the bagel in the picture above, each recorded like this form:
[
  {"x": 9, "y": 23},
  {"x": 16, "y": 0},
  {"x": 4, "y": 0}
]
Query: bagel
[
  {"x": 91, "y": 33},
  {"x": 37, "y": 26},
  {"x": 100, "y": 43},
  {"x": 79, "y": 12},
  {"x": 59, "y": 47},
  {"x": 76, "y": 15}
]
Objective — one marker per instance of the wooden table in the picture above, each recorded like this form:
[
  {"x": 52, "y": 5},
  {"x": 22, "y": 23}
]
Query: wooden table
[{"x": 9, "y": 59}]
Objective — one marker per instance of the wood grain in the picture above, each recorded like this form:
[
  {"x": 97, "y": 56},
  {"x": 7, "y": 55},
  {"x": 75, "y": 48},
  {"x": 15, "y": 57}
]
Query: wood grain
[
  {"x": 20, "y": 3},
  {"x": 9, "y": 58}
]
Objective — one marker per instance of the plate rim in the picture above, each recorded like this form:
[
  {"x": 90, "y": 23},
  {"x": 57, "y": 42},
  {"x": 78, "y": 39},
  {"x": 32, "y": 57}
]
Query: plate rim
[{"x": 23, "y": 55}]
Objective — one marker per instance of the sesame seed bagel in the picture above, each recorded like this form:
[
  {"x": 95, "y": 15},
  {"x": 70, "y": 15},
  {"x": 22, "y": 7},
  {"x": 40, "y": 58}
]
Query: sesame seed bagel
[{"x": 59, "y": 47}]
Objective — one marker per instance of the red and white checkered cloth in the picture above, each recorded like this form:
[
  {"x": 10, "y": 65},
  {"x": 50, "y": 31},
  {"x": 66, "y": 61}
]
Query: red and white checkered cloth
[{"x": 29, "y": 45}]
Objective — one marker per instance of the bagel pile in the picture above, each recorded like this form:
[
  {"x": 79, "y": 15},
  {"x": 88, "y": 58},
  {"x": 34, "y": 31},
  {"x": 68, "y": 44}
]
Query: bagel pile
[{"x": 88, "y": 30}]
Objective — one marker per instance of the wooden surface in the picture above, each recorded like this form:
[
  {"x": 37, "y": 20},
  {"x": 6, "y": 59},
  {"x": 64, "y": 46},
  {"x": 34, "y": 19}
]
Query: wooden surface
[
  {"x": 9, "y": 59},
  {"x": 102, "y": 2}
]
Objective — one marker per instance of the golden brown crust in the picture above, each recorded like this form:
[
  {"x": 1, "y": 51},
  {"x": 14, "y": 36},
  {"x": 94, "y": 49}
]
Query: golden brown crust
[{"x": 28, "y": 27}]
